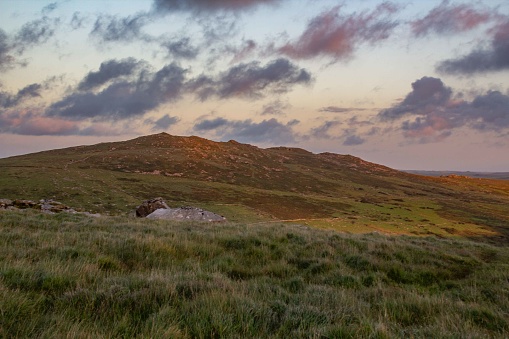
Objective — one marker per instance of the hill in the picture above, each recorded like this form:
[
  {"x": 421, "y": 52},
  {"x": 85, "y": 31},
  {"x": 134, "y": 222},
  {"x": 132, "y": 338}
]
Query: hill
[{"x": 250, "y": 184}]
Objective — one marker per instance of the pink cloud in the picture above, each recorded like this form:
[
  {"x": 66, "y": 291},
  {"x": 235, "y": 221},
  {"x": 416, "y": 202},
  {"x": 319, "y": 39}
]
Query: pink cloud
[
  {"x": 336, "y": 36},
  {"x": 450, "y": 19},
  {"x": 44, "y": 126}
]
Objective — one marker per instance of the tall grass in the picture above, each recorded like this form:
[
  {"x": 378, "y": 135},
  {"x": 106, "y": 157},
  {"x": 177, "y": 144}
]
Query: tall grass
[{"x": 75, "y": 276}]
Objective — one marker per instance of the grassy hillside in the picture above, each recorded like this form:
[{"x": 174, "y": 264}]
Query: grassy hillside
[
  {"x": 249, "y": 184},
  {"x": 76, "y": 276}
]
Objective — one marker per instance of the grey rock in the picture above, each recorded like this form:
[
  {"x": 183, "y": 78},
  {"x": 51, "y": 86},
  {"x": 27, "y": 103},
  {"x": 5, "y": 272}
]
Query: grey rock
[
  {"x": 186, "y": 213},
  {"x": 52, "y": 206}
]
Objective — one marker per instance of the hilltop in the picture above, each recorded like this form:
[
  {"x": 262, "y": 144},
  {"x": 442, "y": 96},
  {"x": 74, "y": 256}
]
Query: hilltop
[{"x": 247, "y": 183}]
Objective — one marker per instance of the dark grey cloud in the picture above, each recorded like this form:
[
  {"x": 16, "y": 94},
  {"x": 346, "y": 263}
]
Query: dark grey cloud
[
  {"x": 110, "y": 70},
  {"x": 77, "y": 20},
  {"x": 337, "y": 36},
  {"x": 124, "y": 98},
  {"x": 432, "y": 112},
  {"x": 29, "y": 35},
  {"x": 49, "y": 8},
  {"x": 353, "y": 140},
  {"x": 208, "y": 5},
  {"x": 323, "y": 131},
  {"x": 7, "y": 60},
  {"x": 267, "y": 131},
  {"x": 35, "y": 32},
  {"x": 180, "y": 49},
  {"x": 494, "y": 57},
  {"x": 427, "y": 94},
  {"x": 8, "y": 100},
  {"x": 489, "y": 111},
  {"x": 163, "y": 123},
  {"x": 252, "y": 81},
  {"x": 448, "y": 19},
  {"x": 109, "y": 28},
  {"x": 276, "y": 107},
  {"x": 210, "y": 124},
  {"x": 336, "y": 109}
]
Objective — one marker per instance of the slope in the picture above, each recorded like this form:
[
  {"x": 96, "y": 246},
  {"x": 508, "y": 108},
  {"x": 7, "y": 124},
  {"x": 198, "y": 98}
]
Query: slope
[{"x": 247, "y": 183}]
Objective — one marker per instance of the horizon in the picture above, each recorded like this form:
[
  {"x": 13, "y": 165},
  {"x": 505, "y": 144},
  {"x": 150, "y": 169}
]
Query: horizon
[{"x": 411, "y": 86}]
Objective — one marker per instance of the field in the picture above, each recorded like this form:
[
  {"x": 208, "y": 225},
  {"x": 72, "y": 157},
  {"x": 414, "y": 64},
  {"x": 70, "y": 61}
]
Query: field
[
  {"x": 248, "y": 184},
  {"x": 76, "y": 276},
  {"x": 316, "y": 246}
]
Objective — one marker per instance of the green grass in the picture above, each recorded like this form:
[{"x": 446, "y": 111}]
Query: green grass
[
  {"x": 75, "y": 276},
  {"x": 247, "y": 184}
]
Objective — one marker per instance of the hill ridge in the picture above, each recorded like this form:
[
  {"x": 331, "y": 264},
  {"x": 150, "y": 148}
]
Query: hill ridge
[{"x": 246, "y": 182}]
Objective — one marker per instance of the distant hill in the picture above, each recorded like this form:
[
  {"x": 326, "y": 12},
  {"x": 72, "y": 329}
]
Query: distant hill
[
  {"x": 484, "y": 175},
  {"x": 247, "y": 183}
]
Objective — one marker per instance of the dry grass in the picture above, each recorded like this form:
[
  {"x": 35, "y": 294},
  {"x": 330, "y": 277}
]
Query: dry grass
[{"x": 75, "y": 276}]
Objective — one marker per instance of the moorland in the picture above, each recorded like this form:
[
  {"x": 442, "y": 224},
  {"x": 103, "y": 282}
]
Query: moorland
[{"x": 316, "y": 245}]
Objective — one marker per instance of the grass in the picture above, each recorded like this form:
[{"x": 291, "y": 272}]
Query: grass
[
  {"x": 75, "y": 276},
  {"x": 247, "y": 184}
]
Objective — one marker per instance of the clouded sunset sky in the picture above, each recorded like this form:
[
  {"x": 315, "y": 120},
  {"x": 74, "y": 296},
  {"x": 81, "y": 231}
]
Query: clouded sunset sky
[{"x": 420, "y": 84}]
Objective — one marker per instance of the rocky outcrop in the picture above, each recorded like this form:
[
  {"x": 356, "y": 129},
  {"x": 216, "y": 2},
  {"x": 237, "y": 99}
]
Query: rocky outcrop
[
  {"x": 186, "y": 214},
  {"x": 49, "y": 206},
  {"x": 149, "y": 206},
  {"x": 158, "y": 209}
]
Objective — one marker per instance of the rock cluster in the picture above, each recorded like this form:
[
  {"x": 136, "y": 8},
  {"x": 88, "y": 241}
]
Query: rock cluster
[
  {"x": 158, "y": 209},
  {"x": 49, "y": 206}
]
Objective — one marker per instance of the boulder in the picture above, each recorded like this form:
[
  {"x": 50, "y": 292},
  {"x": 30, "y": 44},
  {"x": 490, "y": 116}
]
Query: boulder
[
  {"x": 186, "y": 213},
  {"x": 22, "y": 204},
  {"x": 149, "y": 206},
  {"x": 52, "y": 206},
  {"x": 4, "y": 203}
]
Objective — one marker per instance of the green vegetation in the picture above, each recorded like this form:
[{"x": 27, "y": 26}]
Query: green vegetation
[
  {"x": 71, "y": 275},
  {"x": 248, "y": 184}
]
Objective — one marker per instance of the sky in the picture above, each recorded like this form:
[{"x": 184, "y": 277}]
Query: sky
[{"x": 420, "y": 84}]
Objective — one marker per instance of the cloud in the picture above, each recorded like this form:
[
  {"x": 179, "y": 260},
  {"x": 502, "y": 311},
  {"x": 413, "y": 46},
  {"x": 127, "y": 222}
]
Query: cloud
[
  {"x": 494, "y": 57},
  {"x": 323, "y": 131},
  {"x": 210, "y": 124},
  {"x": 427, "y": 94},
  {"x": 432, "y": 112},
  {"x": 353, "y": 140},
  {"x": 209, "y": 6},
  {"x": 447, "y": 19},
  {"x": 109, "y": 70},
  {"x": 162, "y": 123},
  {"x": 242, "y": 52},
  {"x": 77, "y": 20},
  {"x": 8, "y": 100},
  {"x": 49, "y": 8},
  {"x": 6, "y": 59},
  {"x": 490, "y": 111},
  {"x": 35, "y": 32},
  {"x": 123, "y": 98},
  {"x": 251, "y": 81},
  {"x": 44, "y": 126},
  {"x": 267, "y": 131},
  {"x": 109, "y": 28},
  {"x": 336, "y": 109},
  {"x": 337, "y": 36},
  {"x": 29, "y": 35},
  {"x": 276, "y": 107},
  {"x": 180, "y": 49}
]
